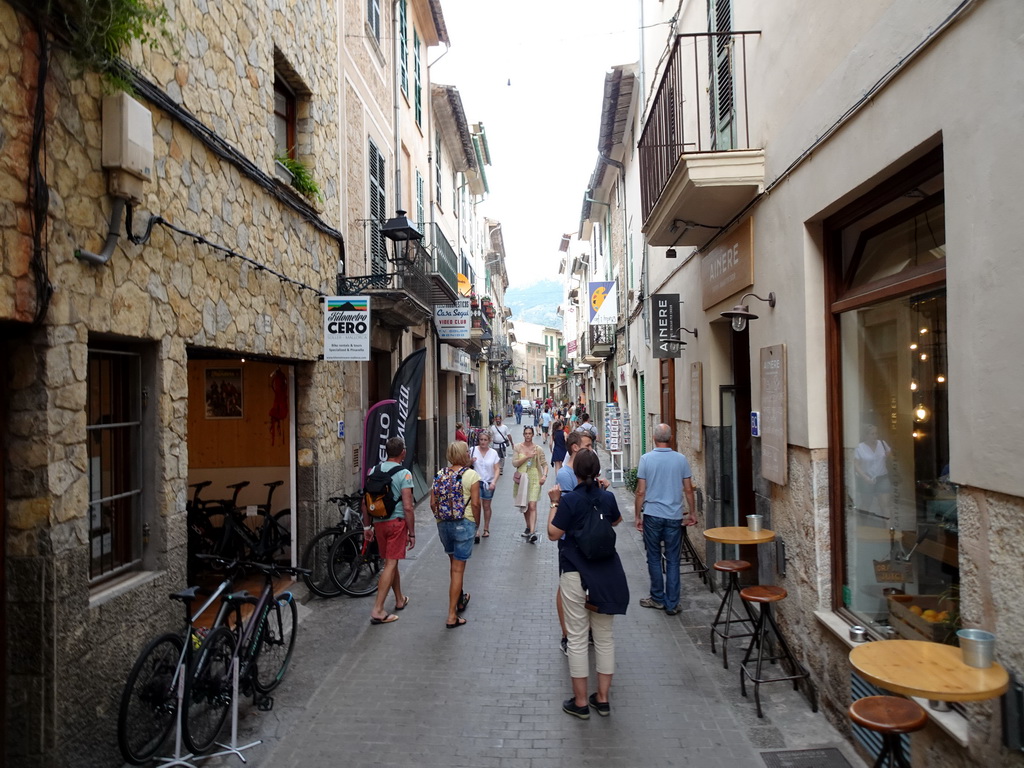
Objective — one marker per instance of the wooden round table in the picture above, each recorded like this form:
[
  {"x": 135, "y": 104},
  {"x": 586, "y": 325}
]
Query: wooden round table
[
  {"x": 738, "y": 534},
  {"x": 929, "y": 670}
]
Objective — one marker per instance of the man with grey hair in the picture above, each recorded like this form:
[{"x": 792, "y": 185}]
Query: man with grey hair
[{"x": 663, "y": 478}]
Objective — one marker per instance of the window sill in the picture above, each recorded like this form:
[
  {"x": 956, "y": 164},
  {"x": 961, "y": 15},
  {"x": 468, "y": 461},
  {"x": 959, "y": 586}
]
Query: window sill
[
  {"x": 952, "y": 723},
  {"x": 122, "y": 586}
]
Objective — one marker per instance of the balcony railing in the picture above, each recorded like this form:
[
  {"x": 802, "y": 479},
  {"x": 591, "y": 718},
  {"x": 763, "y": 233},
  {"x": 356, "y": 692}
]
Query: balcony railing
[
  {"x": 601, "y": 340},
  {"x": 445, "y": 259},
  {"x": 410, "y": 275},
  {"x": 700, "y": 106}
]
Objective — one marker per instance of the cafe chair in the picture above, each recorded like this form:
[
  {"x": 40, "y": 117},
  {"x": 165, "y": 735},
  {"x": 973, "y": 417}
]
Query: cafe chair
[
  {"x": 723, "y": 627},
  {"x": 891, "y": 716},
  {"x": 766, "y": 633}
]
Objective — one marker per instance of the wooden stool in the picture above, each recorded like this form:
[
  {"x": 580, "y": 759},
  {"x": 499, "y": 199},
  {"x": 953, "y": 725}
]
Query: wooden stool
[
  {"x": 732, "y": 588},
  {"x": 764, "y": 629},
  {"x": 890, "y": 716}
]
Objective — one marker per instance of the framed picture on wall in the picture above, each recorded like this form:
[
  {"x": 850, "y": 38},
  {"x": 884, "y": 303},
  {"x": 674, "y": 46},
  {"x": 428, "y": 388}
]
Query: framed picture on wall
[{"x": 223, "y": 392}]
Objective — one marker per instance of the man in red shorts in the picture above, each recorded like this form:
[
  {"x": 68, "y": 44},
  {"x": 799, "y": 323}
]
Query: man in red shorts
[{"x": 394, "y": 534}]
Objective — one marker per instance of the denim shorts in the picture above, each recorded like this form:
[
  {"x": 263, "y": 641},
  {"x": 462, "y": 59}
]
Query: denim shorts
[
  {"x": 457, "y": 537},
  {"x": 485, "y": 492}
]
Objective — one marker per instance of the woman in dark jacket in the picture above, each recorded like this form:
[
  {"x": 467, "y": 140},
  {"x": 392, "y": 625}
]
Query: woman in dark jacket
[{"x": 593, "y": 591}]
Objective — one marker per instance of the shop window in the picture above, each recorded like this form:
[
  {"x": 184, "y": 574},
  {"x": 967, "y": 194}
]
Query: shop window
[
  {"x": 892, "y": 501},
  {"x": 114, "y": 423}
]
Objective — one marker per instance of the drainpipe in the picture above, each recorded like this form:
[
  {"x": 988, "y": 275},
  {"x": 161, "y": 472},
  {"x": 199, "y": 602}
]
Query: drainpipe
[
  {"x": 396, "y": 88},
  {"x": 113, "y": 233}
]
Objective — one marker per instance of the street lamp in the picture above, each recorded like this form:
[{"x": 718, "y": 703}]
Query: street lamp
[{"x": 741, "y": 313}]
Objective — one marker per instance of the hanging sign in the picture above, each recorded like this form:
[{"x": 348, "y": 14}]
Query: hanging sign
[
  {"x": 665, "y": 324},
  {"x": 604, "y": 303},
  {"x": 453, "y": 321},
  {"x": 347, "y": 328},
  {"x": 774, "y": 438}
]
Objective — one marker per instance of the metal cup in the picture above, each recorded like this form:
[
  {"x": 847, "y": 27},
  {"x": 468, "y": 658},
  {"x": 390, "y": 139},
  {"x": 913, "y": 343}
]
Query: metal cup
[
  {"x": 858, "y": 634},
  {"x": 978, "y": 647},
  {"x": 754, "y": 523}
]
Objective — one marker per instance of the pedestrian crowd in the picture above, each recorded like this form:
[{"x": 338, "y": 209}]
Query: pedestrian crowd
[{"x": 592, "y": 587}]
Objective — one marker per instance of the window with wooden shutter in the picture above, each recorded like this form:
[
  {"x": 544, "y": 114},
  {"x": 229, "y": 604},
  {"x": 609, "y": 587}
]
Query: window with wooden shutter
[{"x": 378, "y": 248}]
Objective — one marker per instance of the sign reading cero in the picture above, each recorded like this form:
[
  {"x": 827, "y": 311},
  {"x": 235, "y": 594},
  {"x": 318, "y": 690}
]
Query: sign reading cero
[{"x": 728, "y": 268}]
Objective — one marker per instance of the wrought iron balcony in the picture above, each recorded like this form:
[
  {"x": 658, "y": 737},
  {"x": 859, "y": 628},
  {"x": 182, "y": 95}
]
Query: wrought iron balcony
[
  {"x": 698, "y": 166},
  {"x": 410, "y": 278},
  {"x": 446, "y": 261},
  {"x": 601, "y": 340}
]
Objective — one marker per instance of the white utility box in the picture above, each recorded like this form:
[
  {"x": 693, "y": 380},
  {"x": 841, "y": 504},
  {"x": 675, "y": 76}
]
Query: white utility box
[{"x": 127, "y": 145}]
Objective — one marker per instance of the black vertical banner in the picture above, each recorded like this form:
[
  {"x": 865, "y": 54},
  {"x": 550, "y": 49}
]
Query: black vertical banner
[
  {"x": 377, "y": 428},
  {"x": 405, "y": 390},
  {"x": 665, "y": 324}
]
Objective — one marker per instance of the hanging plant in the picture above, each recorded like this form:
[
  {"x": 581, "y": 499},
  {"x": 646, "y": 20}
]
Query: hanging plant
[
  {"x": 96, "y": 33},
  {"x": 302, "y": 179}
]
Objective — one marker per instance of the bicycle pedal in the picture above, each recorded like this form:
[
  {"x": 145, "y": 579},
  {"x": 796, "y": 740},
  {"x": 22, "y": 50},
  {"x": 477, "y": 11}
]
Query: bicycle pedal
[{"x": 265, "y": 704}]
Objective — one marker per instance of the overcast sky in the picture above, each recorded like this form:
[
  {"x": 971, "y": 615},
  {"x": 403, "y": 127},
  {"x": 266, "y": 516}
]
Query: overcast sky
[{"x": 533, "y": 73}]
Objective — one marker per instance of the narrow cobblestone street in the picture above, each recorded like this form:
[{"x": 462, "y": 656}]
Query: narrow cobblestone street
[{"x": 414, "y": 693}]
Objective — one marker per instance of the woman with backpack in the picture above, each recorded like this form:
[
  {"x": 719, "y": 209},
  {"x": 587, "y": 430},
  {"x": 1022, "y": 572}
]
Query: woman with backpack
[
  {"x": 455, "y": 502},
  {"x": 591, "y": 580}
]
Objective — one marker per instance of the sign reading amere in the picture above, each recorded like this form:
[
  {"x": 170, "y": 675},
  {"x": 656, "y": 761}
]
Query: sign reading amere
[
  {"x": 728, "y": 268},
  {"x": 347, "y": 328}
]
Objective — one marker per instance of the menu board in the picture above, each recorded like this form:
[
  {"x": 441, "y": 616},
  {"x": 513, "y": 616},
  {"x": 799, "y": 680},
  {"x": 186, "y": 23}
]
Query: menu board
[
  {"x": 773, "y": 414},
  {"x": 696, "y": 407}
]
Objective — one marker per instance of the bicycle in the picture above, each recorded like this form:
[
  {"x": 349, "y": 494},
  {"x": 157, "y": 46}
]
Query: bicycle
[
  {"x": 263, "y": 645},
  {"x": 255, "y": 533},
  {"x": 355, "y": 564},
  {"x": 317, "y": 553},
  {"x": 149, "y": 702},
  {"x": 208, "y": 530}
]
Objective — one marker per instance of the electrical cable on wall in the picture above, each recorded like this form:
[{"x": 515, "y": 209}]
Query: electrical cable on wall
[{"x": 198, "y": 239}]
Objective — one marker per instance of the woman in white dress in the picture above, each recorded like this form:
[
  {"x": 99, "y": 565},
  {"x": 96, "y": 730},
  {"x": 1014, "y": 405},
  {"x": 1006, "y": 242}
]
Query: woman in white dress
[{"x": 486, "y": 461}]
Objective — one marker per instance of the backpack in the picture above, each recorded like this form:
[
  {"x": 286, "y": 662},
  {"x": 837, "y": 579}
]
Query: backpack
[
  {"x": 447, "y": 490},
  {"x": 594, "y": 536},
  {"x": 380, "y": 499}
]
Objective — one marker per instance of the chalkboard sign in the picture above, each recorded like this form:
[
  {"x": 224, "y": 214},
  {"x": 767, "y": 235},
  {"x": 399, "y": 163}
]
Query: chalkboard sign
[
  {"x": 773, "y": 414},
  {"x": 696, "y": 408}
]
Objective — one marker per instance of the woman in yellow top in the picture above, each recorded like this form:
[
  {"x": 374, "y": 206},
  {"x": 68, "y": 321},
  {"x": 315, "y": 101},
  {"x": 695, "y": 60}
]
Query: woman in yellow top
[
  {"x": 455, "y": 502},
  {"x": 532, "y": 470}
]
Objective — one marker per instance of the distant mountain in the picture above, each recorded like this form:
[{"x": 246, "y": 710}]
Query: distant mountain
[{"x": 536, "y": 303}]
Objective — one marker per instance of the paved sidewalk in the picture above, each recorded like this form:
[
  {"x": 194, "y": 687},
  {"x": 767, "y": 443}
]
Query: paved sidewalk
[{"x": 414, "y": 693}]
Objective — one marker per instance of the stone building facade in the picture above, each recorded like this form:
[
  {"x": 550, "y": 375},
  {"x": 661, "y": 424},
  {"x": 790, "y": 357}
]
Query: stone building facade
[{"x": 185, "y": 347}]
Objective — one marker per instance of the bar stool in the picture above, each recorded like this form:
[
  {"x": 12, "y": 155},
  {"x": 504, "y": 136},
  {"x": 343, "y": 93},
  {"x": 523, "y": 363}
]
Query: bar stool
[
  {"x": 732, "y": 588},
  {"x": 689, "y": 558},
  {"x": 891, "y": 716},
  {"x": 764, "y": 629}
]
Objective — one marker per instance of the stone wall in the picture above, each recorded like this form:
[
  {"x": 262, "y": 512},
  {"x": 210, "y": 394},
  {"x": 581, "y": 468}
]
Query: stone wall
[{"x": 71, "y": 644}]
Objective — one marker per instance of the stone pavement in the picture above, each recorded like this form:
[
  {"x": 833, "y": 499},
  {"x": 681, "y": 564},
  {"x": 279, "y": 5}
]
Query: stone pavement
[{"x": 414, "y": 693}]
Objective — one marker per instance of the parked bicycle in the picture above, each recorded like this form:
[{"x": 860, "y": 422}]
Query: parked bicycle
[
  {"x": 149, "y": 703},
  {"x": 222, "y": 528},
  {"x": 263, "y": 645},
  {"x": 355, "y": 564},
  {"x": 315, "y": 557}
]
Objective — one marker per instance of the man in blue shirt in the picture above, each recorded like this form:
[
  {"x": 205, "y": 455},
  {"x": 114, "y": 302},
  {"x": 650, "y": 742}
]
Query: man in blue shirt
[{"x": 663, "y": 477}]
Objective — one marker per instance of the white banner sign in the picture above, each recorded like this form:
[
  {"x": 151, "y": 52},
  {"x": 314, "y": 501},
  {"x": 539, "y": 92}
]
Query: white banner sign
[
  {"x": 347, "y": 328},
  {"x": 453, "y": 321},
  {"x": 456, "y": 360}
]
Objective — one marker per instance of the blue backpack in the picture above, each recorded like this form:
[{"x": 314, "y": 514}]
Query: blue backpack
[{"x": 447, "y": 490}]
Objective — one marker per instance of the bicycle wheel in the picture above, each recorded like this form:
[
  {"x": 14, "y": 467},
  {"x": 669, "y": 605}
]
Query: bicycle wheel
[
  {"x": 150, "y": 700},
  {"x": 208, "y": 690},
  {"x": 316, "y": 559},
  {"x": 276, "y": 643},
  {"x": 354, "y": 571}
]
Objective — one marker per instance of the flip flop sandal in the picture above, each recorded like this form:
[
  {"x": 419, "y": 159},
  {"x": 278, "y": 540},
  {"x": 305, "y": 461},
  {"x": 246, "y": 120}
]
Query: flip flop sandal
[
  {"x": 459, "y": 622},
  {"x": 460, "y": 606},
  {"x": 487, "y": 534},
  {"x": 387, "y": 620},
  {"x": 403, "y": 605}
]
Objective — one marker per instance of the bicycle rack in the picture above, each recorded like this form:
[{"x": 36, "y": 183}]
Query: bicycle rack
[{"x": 226, "y": 749}]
